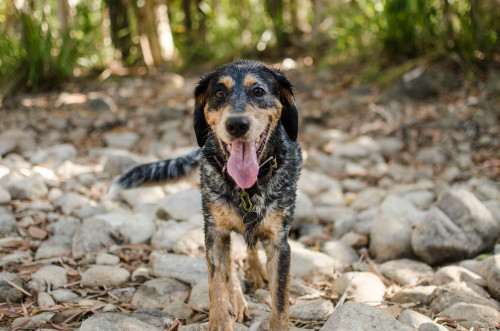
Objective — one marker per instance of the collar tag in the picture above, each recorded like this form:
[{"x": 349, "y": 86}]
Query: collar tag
[{"x": 245, "y": 199}]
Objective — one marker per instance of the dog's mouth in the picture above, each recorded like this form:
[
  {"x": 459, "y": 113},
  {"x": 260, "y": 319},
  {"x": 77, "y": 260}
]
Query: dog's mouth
[{"x": 243, "y": 165}]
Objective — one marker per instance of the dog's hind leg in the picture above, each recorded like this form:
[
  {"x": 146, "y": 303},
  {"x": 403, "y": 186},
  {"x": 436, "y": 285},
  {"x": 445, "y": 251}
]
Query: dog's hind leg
[{"x": 256, "y": 274}]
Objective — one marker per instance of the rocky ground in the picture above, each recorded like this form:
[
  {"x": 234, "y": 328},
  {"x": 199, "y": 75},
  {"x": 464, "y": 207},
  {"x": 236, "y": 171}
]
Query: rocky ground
[{"x": 397, "y": 222}]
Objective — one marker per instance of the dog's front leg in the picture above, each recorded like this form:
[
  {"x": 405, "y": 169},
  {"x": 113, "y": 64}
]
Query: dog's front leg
[
  {"x": 218, "y": 246},
  {"x": 278, "y": 271}
]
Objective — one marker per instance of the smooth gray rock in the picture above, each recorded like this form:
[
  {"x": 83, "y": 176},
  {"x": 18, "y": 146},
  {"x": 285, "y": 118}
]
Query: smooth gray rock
[
  {"x": 64, "y": 295},
  {"x": 476, "y": 316},
  {"x": 431, "y": 156},
  {"x": 355, "y": 316},
  {"x": 304, "y": 211},
  {"x": 27, "y": 189},
  {"x": 180, "y": 206},
  {"x": 354, "y": 239},
  {"x": 342, "y": 254},
  {"x": 115, "y": 322},
  {"x": 107, "y": 259},
  {"x": 8, "y": 293},
  {"x": 137, "y": 228},
  {"x": 115, "y": 165},
  {"x": 169, "y": 232},
  {"x": 142, "y": 195},
  {"x": 153, "y": 317},
  {"x": 309, "y": 265},
  {"x": 343, "y": 218},
  {"x": 157, "y": 293},
  {"x": 58, "y": 245},
  {"x": 313, "y": 310},
  {"x": 447, "y": 295},
  {"x": 44, "y": 300},
  {"x": 361, "y": 286},
  {"x": 8, "y": 223},
  {"x": 178, "y": 309},
  {"x": 53, "y": 156},
  {"x": 191, "y": 243},
  {"x": 415, "y": 320},
  {"x": 92, "y": 235},
  {"x": 454, "y": 273},
  {"x": 16, "y": 140},
  {"x": 181, "y": 267},
  {"x": 458, "y": 227},
  {"x": 406, "y": 272},
  {"x": 103, "y": 275},
  {"x": 64, "y": 226},
  {"x": 489, "y": 269},
  {"x": 418, "y": 294},
  {"x": 369, "y": 197},
  {"x": 390, "y": 237},
  {"x": 124, "y": 140},
  {"x": 33, "y": 322},
  {"x": 4, "y": 196},
  {"x": 204, "y": 327},
  {"x": 199, "y": 297},
  {"x": 421, "y": 199},
  {"x": 71, "y": 201},
  {"x": 313, "y": 183},
  {"x": 48, "y": 276}
]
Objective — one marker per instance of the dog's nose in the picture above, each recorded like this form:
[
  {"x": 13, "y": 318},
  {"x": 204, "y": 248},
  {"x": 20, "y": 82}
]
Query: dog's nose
[{"x": 237, "y": 126}]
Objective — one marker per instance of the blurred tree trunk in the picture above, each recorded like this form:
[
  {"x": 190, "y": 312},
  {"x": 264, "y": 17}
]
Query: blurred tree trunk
[
  {"x": 63, "y": 16},
  {"x": 275, "y": 11},
  {"x": 9, "y": 24},
  {"x": 201, "y": 32},
  {"x": 188, "y": 24},
  {"x": 120, "y": 29}
]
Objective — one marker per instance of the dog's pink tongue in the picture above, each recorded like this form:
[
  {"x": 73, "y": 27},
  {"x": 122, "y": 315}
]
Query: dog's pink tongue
[{"x": 242, "y": 165}]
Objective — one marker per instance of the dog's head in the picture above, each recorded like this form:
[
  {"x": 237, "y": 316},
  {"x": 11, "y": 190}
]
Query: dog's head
[{"x": 242, "y": 103}]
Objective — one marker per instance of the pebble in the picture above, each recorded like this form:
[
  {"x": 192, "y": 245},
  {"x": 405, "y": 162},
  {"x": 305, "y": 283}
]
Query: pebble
[
  {"x": 354, "y": 239},
  {"x": 313, "y": 310},
  {"x": 458, "y": 227},
  {"x": 71, "y": 201},
  {"x": 342, "y": 218},
  {"x": 142, "y": 195},
  {"x": 309, "y": 265},
  {"x": 27, "y": 189},
  {"x": 360, "y": 316},
  {"x": 342, "y": 254},
  {"x": 137, "y": 228},
  {"x": 304, "y": 211},
  {"x": 489, "y": 269},
  {"x": 64, "y": 226},
  {"x": 390, "y": 237},
  {"x": 107, "y": 259},
  {"x": 169, "y": 232},
  {"x": 180, "y": 206},
  {"x": 45, "y": 300},
  {"x": 453, "y": 273},
  {"x": 157, "y": 293},
  {"x": 181, "y": 267},
  {"x": 7, "y": 292},
  {"x": 415, "y": 320},
  {"x": 406, "y": 272},
  {"x": 8, "y": 223},
  {"x": 422, "y": 199},
  {"x": 199, "y": 297},
  {"x": 4, "y": 196},
  {"x": 418, "y": 294},
  {"x": 103, "y": 275},
  {"x": 124, "y": 140},
  {"x": 178, "y": 309},
  {"x": 191, "y": 243},
  {"x": 50, "y": 276},
  {"x": 33, "y": 322},
  {"x": 369, "y": 197},
  {"x": 58, "y": 245},
  {"x": 153, "y": 317},
  {"x": 313, "y": 183},
  {"x": 473, "y": 316},
  {"x": 115, "y": 321},
  {"x": 92, "y": 236},
  {"x": 63, "y": 295},
  {"x": 445, "y": 296},
  {"x": 360, "y": 286}
]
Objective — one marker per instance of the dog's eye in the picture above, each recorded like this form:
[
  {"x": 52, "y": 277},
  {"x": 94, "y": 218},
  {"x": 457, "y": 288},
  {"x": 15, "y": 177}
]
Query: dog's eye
[
  {"x": 220, "y": 94},
  {"x": 258, "y": 91}
]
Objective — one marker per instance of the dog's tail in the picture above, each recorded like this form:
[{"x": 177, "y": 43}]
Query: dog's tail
[{"x": 156, "y": 173}]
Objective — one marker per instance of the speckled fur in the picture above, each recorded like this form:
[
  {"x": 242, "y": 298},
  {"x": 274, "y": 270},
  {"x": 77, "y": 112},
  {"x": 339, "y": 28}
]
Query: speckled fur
[{"x": 273, "y": 201}]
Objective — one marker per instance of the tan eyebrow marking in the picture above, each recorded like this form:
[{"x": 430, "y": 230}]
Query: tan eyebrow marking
[
  {"x": 227, "y": 81},
  {"x": 249, "y": 80}
]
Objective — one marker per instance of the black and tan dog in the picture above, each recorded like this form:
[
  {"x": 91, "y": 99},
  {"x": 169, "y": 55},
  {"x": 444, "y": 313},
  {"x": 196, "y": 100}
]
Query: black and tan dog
[{"x": 245, "y": 121}]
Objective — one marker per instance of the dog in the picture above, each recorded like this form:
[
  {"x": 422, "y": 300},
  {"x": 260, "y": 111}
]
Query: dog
[{"x": 246, "y": 125}]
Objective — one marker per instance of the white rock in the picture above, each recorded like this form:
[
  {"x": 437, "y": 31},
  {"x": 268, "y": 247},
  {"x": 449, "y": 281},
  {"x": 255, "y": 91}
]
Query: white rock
[
  {"x": 180, "y": 206},
  {"x": 137, "y": 228},
  {"x": 199, "y": 296},
  {"x": 49, "y": 276},
  {"x": 70, "y": 201},
  {"x": 57, "y": 245},
  {"x": 313, "y": 310},
  {"x": 355, "y": 316},
  {"x": 27, "y": 189},
  {"x": 309, "y": 265},
  {"x": 445, "y": 296},
  {"x": 304, "y": 211},
  {"x": 64, "y": 295},
  {"x": 108, "y": 276},
  {"x": 92, "y": 235},
  {"x": 191, "y": 243},
  {"x": 169, "y": 232},
  {"x": 489, "y": 269},
  {"x": 361, "y": 287},
  {"x": 368, "y": 197},
  {"x": 107, "y": 259},
  {"x": 342, "y": 254},
  {"x": 181, "y": 267},
  {"x": 453, "y": 273},
  {"x": 406, "y": 272},
  {"x": 157, "y": 293},
  {"x": 390, "y": 237},
  {"x": 142, "y": 195},
  {"x": 4, "y": 196},
  {"x": 473, "y": 316},
  {"x": 121, "y": 140},
  {"x": 45, "y": 300},
  {"x": 313, "y": 183},
  {"x": 415, "y": 320},
  {"x": 115, "y": 321}
]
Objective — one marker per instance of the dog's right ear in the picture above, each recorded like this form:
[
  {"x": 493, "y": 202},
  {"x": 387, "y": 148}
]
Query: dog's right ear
[{"x": 200, "y": 96}]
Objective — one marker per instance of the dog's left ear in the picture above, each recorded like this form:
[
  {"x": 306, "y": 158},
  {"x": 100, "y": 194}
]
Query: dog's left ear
[
  {"x": 200, "y": 96},
  {"x": 289, "y": 113}
]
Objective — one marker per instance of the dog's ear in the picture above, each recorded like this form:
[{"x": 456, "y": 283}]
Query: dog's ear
[
  {"x": 200, "y": 96},
  {"x": 289, "y": 113}
]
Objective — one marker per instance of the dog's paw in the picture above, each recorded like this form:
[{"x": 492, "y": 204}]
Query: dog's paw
[
  {"x": 257, "y": 276},
  {"x": 240, "y": 306}
]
